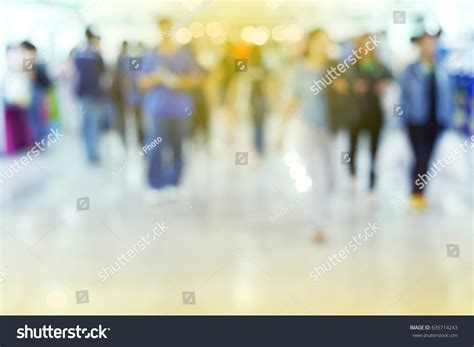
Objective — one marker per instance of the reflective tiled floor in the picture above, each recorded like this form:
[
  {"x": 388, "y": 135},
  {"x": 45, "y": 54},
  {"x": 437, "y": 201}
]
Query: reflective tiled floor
[{"x": 236, "y": 236}]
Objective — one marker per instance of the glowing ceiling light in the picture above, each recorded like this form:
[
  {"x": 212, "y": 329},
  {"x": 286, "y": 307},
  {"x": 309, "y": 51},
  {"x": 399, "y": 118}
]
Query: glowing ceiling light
[
  {"x": 260, "y": 36},
  {"x": 197, "y": 29},
  {"x": 248, "y": 33},
  {"x": 183, "y": 36}
]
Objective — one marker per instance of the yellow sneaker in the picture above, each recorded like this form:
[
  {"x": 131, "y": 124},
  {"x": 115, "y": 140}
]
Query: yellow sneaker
[
  {"x": 418, "y": 202},
  {"x": 320, "y": 237}
]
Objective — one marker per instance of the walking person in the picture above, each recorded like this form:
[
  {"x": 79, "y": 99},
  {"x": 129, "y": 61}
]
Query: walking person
[
  {"x": 120, "y": 87},
  {"x": 169, "y": 73},
  {"x": 90, "y": 69},
  {"x": 258, "y": 100},
  {"x": 200, "y": 119},
  {"x": 40, "y": 83},
  {"x": 134, "y": 100},
  {"x": 125, "y": 92},
  {"x": 315, "y": 141},
  {"x": 426, "y": 98},
  {"x": 17, "y": 95},
  {"x": 371, "y": 78}
]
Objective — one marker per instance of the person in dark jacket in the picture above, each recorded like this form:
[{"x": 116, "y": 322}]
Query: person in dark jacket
[
  {"x": 90, "y": 92},
  {"x": 426, "y": 108},
  {"x": 40, "y": 83},
  {"x": 371, "y": 78}
]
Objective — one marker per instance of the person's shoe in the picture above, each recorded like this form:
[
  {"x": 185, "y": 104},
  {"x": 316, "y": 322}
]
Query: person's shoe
[
  {"x": 320, "y": 236},
  {"x": 372, "y": 199},
  {"x": 418, "y": 202},
  {"x": 93, "y": 160}
]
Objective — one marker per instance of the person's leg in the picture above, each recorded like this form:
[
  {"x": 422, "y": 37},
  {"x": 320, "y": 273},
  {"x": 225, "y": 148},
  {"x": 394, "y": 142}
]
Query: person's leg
[
  {"x": 258, "y": 113},
  {"x": 412, "y": 138},
  {"x": 420, "y": 145},
  {"x": 312, "y": 149},
  {"x": 374, "y": 130},
  {"x": 325, "y": 182},
  {"x": 91, "y": 120},
  {"x": 200, "y": 119},
  {"x": 121, "y": 120},
  {"x": 137, "y": 112},
  {"x": 306, "y": 147},
  {"x": 177, "y": 133},
  {"x": 426, "y": 142},
  {"x": 156, "y": 174},
  {"x": 34, "y": 113},
  {"x": 259, "y": 137},
  {"x": 354, "y": 132},
  {"x": 431, "y": 140}
]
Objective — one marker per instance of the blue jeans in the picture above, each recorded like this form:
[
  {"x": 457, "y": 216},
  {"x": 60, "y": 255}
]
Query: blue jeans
[
  {"x": 166, "y": 159},
  {"x": 39, "y": 126},
  {"x": 93, "y": 112}
]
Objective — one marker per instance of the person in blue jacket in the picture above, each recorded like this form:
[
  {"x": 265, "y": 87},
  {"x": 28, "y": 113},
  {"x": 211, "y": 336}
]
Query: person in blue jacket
[
  {"x": 168, "y": 75},
  {"x": 427, "y": 108},
  {"x": 90, "y": 70}
]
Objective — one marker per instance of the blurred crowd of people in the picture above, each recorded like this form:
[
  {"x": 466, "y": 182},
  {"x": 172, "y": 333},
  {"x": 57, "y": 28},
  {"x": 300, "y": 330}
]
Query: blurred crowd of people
[
  {"x": 166, "y": 93},
  {"x": 352, "y": 102}
]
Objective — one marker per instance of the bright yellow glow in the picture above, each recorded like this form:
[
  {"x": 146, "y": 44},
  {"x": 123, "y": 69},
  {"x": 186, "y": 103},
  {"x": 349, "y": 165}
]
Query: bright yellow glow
[
  {"x": 261, "y": 35},
  {"x": 248, "y": 34},
  {"x": 214, "y": 29},
  {"x": 197, "y": 29},
  {"x": 183, "y": 36}
]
